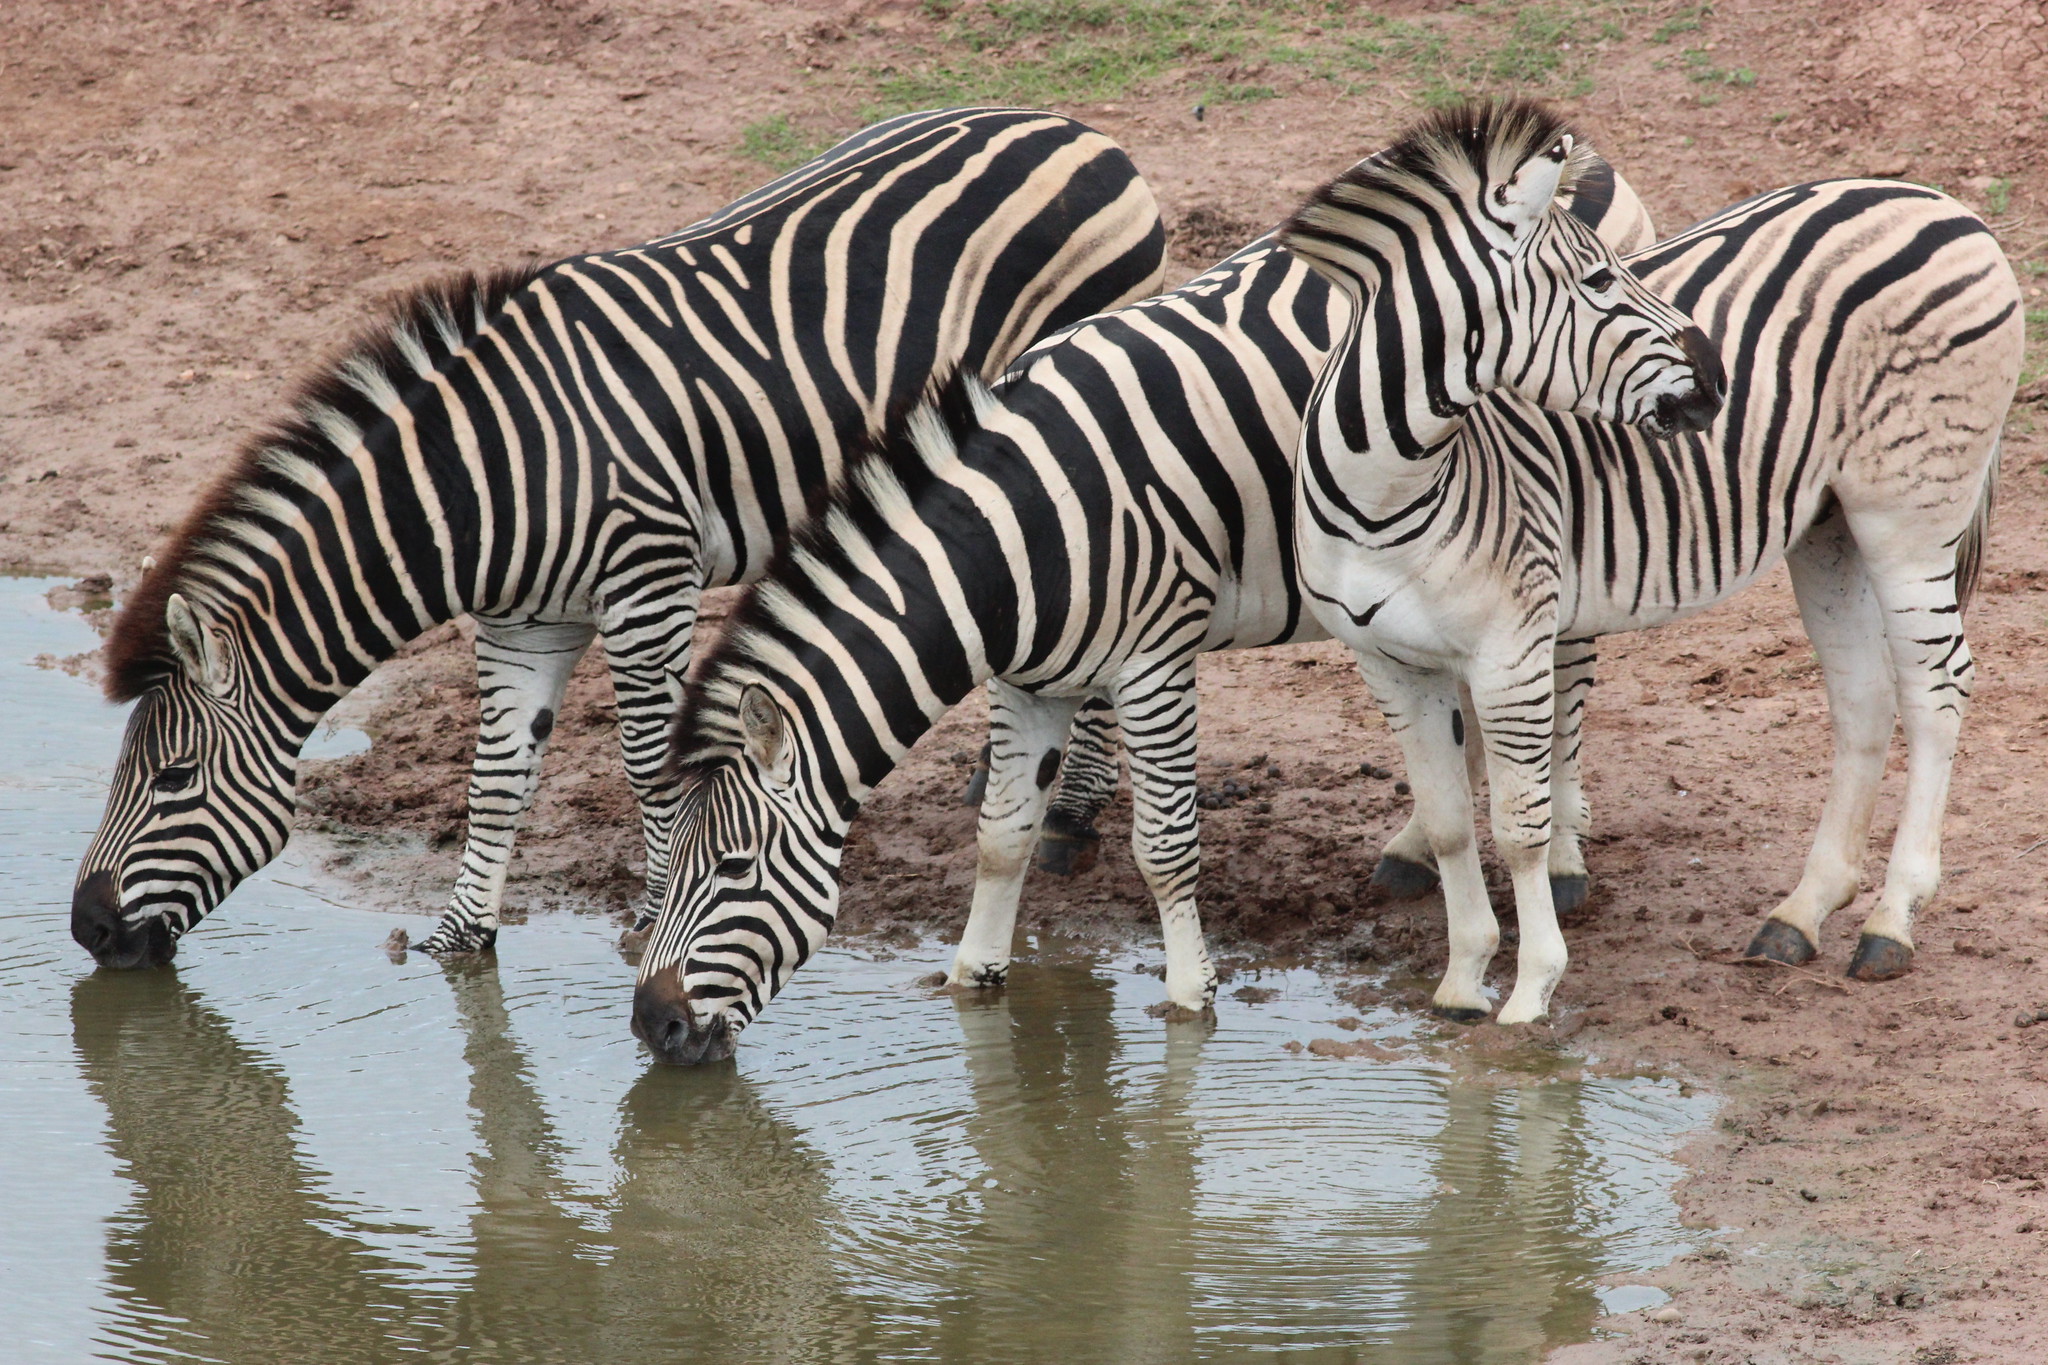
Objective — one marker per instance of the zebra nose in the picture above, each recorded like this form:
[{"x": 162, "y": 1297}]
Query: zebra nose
[
  {"x": 664, "y": 1020},
  {"x": 97, "y": 927},
  {"x": 1695, "y": 411}
]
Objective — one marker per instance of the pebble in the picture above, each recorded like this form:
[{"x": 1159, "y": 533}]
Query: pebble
[
  {"x": 1665, "y": 1315},
  {"x": 1402, "y": 788}
]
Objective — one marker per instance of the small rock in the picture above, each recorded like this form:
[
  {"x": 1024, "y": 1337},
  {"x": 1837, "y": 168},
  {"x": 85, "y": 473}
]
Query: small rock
[
  {"x": 398, "y": 941},
  {"x": 1665, "y": 1314},
  {"x": 1713, "y": 1251},
  {"x": 2024, "y": 1019},
  {"x": 1887, "y": 167},
  {"x": 1809, "y": 1196},
  {"x": 1402, "y": 788}
]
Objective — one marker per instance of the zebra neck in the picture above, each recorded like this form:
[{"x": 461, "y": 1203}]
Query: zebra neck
[{"x": 1382, "y": 426}]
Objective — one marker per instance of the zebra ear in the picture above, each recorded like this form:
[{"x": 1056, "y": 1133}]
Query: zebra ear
[
  {"x": 1519, "y": 202},
  {"x": 765, "y": 732},
  {"x": 198, "y": 652}
]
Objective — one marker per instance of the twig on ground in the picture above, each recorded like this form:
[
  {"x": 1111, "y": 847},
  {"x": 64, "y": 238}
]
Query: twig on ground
[{"x": 2028, "y": 849}]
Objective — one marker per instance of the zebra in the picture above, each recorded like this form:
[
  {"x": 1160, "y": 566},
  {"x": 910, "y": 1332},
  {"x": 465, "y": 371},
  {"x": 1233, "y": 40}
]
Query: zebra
[
  {"x": 1874, "y": 331},
  {"x": 1069, "y": 842},
  {"x": 566, "y": 452},
  {"x": 1123, "y": 506}
]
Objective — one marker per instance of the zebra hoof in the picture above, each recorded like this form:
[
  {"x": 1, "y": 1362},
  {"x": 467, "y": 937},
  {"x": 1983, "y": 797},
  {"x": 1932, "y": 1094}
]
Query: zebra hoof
[
  {"x": 1403, "y": 880},
  {"x": 1068, "y": 855},
  {"x": 1879, "y": 958},
  {"x": 1568, "y": 893},
  {"x": 457, "y": 942},
  {"x": 977, "y": 784},
  {"x": 1778, "y": 941},
  {"x": 1459, "y": 1014}
]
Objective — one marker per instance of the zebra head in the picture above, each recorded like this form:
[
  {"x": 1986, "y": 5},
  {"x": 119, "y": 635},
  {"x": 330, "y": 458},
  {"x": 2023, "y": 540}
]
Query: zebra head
[
  {"x": 753, "y": 890},
  {"x": 1458, "y": 239},
  {"x": 202, "y": 794}
]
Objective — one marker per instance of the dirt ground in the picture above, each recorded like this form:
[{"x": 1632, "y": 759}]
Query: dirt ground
[{"x": 197, "y": 199}]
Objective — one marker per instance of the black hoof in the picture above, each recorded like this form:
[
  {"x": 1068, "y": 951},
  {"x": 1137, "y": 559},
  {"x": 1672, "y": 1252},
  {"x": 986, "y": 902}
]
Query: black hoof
[
  {"x": 1068, "y": 855},
  {"x": 1403, "y": 880},
  {"x": 1459, "y": 1014},
  {"x": 1778, "y": 941},
  {"x": 1879, "y": 959},
  {"x": 1568, "y": 893},
  {"x": 977, "y": 784}
]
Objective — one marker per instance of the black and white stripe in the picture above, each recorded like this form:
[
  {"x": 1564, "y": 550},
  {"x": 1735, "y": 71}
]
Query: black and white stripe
[
  {"x": 1124, "y": 505},
  {"x": 571, "y": 452},
  {"x": 1873, "y": 337}
]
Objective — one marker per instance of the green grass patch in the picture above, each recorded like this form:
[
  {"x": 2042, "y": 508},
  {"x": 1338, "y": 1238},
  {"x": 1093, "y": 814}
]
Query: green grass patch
[
  {"x": 2036, "y": 363},
  {"x": 778, "y": 144},
  {"x": 1057, "y": 53},
  {"x": 1687, "y": 20},
  {"x": 1998, "y": 198}
]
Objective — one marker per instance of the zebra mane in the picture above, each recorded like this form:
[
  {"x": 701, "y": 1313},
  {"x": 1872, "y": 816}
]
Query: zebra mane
[
  {"x": 330, "y": 412},
  {"x": 881, "y": 479},
  {"x": 1479, "y": 141}
]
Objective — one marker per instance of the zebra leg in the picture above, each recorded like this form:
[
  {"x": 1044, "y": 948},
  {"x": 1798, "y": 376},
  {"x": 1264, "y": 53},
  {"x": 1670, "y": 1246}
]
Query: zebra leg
[
  {"x": 1518, "y": 712},
  {"x": 1026, "y": 736},
  {"x": 647, "y": 648},
  {"x": 1406, "y": 868},
  {"x": 1915, "y": 586},
  {"x": 1847, "y": 630},
  {"x": 1426, "y": 714},
  {"x": 1157, "y": 716},
  {"x": 521, "y": 671},
  {"x": 1571, "y": 817},
  {"x": 1069, "y": 843}
]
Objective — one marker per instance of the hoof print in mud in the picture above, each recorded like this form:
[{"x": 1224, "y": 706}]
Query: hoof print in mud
[
  {"x": 1879, "y": 959},
  {"x": 1403, "y": 880},
  {"x": 1779, "y": 942},
  {"x": 1181, "y": 1014}
]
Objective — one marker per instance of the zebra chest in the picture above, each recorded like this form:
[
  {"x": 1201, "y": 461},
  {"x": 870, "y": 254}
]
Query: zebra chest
[{"x": 1427, "y": 608}]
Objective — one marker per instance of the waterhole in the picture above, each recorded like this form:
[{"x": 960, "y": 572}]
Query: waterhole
[{"x": 289, "y": 1147}]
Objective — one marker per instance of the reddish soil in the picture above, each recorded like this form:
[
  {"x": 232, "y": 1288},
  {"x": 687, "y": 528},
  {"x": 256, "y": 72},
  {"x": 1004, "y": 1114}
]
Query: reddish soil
[{"x": 196, "y": 199}]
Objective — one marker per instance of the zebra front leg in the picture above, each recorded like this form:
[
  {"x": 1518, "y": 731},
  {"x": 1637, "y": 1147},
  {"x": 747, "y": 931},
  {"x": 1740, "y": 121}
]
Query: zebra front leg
[
  {"x": 1517, "y": 711},
  {"x": 1026, "y": 737},
  {"x": 1933, "y": 672},
  {"x": 1571, "y": 817},
  {"x": 1847, "y": 630},
  {"x": 1069, "y": 843},
  {"x": 647, "y": 647},
  {"x": 1425, "y": 713},
  {"x": 1157, "y": 715},
  {"x": 522, "y": 671},
  {"x": 1406, "y": 868}
]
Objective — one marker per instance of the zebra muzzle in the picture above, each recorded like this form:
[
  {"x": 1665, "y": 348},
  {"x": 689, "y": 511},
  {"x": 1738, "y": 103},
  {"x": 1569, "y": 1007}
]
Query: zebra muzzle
[
  {"x": 666, "y": 1020},
  {"x": 1695, "y": 411},
  {"x": 97, "y": 926}
]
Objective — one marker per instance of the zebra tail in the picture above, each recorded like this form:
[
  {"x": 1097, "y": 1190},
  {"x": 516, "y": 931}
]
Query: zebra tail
[{"x": 1970, "y": 550}]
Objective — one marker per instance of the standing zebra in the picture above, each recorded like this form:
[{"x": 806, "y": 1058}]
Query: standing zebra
[
  {"x": 1875, "y": 334},
  {"x": 1123, "y": 507},
  {"x": 566, "y": 452},
  {"x": 1068, "y": 840}
]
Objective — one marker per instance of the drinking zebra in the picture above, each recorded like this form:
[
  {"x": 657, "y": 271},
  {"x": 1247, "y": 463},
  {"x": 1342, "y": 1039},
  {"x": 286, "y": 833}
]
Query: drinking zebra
[
  {"x": 1875, "y": 334},
  {"x": 567, "y": 452},
  {"x": 1123, "y": 507}
]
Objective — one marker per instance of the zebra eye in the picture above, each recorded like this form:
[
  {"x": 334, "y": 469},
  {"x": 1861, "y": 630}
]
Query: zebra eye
[
  {"x": 175, "y": 779},
  {"x": 1601, "y": 280},
  {"x": 734, "y": 866}
]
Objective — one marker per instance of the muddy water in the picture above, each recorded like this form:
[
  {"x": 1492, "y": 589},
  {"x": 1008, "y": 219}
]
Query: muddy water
[{"x": 289, "y": 1147}]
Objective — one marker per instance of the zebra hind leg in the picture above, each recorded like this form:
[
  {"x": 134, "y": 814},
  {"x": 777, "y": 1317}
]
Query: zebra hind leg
[
  {"x": 1157, "y": 716},
  {"x": 1070, "y": 842},
  {"x": 1847, "y": 630},
  {"x": 1933, "y": 670},
  {"x": 1571, "y": 816},
  {"x": 522, "y": 671},
  {"x": 1027, "y": 735}
]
